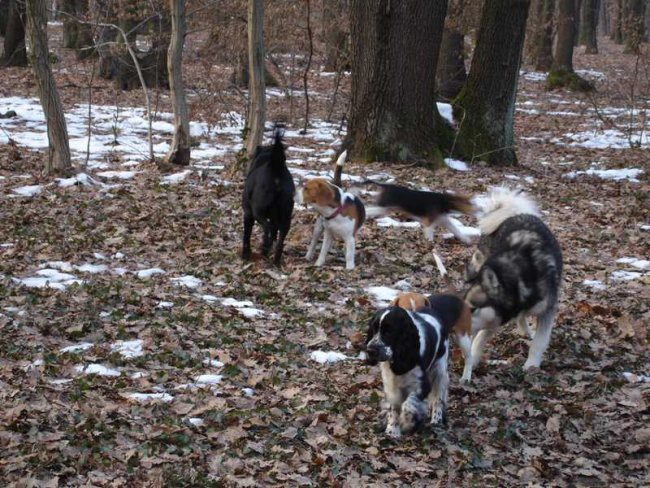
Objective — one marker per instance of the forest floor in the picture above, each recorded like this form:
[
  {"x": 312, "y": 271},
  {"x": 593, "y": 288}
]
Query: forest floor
[{"x": 138, "y": 350}]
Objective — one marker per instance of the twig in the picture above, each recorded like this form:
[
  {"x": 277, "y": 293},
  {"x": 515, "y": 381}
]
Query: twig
[{"x": 306, "y": 73}]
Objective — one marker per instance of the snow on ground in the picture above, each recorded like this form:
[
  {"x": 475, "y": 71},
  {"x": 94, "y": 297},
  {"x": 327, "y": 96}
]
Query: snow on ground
[
  {"x": 629, "y": 174},
  {"x": 82, "y": 346},
  {"x": 622, "y": 275},
  {"x": 144, "y": 274},
  {"x": 28, "y": 191},
  {"x": 120, "y": 175},
  {"x": 635, "y": 262},
  {"x": 148, "y": 397},
  {"x": 187, "y": 280},
  {"x": 595, "y": 285},
  {"x": 175, "y": 178},
  {"x": 605, "y": 139},
  {"x": 590, "y": 73},
  {"x": 128, "y": 349},
  {"x": 215, "y": 363},
  {"x": 98, "y": 369},
  {"x": 208, "y": 379},
  {"x": 324, "y": 357},
  {"x": 446, "y": 111},
  {"x": 390, "y": 222},
  {"x": 49, "y": 278},
  {"x": 534, "y": 75},
  {"x": 456, "y": 164},
  {"x": 636, "y": 378}
]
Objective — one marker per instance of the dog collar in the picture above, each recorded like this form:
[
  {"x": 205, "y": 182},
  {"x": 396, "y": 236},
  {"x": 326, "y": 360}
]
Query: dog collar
[{"x": 336, "y": 212}]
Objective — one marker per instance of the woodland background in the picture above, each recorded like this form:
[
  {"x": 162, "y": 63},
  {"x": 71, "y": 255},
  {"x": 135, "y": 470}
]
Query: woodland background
[{"x": 139, "y": 351}]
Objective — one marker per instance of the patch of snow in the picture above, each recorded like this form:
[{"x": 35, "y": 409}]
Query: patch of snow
[
  {"x": 215, "y": 363},
  {"x": 595, "y": 284},
  {"x": 82, "y": 346},
  {"x": 165, "y": 305},
  {"x": 590, "y": 73},
  {"x": 120, "y": 175},
  {"x": 606, "y": 139},
  {"x": 98, "y": 369},
  {"x": 328, "y": 357},
  {"x": 250, "y": 313},
  {"x": 196, "y": 421},
  {"x": 118, "y": 255},
  {"x": 621, "y": 275},
  {"x": 456, "y": 164},
  {"x": 119, "y": 271},
  {"x": 138, "y": 374},
  {"x": 98, "y": 255},
  {"x": 403, "y": 285},
  {"x": 637, "y": 263},
  {"x": 148, "y": 397},
  {"x": 176, "y": 178},
  {"x": 629, "y": 174},
  {"x": 249, "y": 392},
  {"x": 636, "y": 378},
  {"x": 81, "y": 179},
  {"x": 62, "y": 381},
  {"x": 188, "y": 281},
  {"x": 148, "y": 273},
  {"x": 128, "y": 349},
  {"x": 61, "y": 265},
  {"x": 11, "y": 244},
  {"x": 645, "y": 228},
  {"x": 534, "y": 75},
  {"x": 231, "y": 302},
  {"x": 49, "y": 278},
  {"x": 28, "y": 191},
  {"x": 208, "y": 379},
  {"x": 92, "y": 268}
]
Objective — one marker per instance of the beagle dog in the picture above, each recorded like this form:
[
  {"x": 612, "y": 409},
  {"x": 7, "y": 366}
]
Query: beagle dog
[
  {"x": 341, "y": 215},
  {"x": 453, "y": 311}
]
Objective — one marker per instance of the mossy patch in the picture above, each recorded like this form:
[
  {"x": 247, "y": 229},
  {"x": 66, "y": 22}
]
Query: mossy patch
[{"x": 569, "y": 80}]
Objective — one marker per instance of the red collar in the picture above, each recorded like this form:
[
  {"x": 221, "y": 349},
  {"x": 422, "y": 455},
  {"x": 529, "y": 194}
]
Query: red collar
[{"x": 336, "y": 212}]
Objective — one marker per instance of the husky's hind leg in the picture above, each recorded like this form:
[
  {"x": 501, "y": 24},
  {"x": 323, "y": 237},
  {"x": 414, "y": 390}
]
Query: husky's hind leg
[{"x": 541, "y": 339}]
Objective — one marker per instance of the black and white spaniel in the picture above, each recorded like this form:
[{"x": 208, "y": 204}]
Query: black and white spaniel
[{"x": 412, "y": 350}]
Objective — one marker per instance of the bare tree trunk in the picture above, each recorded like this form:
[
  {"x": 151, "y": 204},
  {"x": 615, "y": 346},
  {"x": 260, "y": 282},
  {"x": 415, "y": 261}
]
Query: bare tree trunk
[
  {"x": 633, "y": 25},
  {"x": 4, "y": 16},
  {"x": 15, "y": 53},
  {"x": 562, "y": 74},
  {"x": 393, "y": 115},
  {"x": 57, "y": 133},
  {"x": 70, "y": 23},
  {"x": 589, "y": 26},
  {"x": 180, "y": 149},
  {"x": 543, "y": 42},
  {"x": 485, "y": 108},
  {"x": 257, "y": 92},
  {"x": 577, "y": 19},
  {"x": 617, "y": 21},
  {"x": 333, "y": 34},
  {"x": 604, "y": 18},
  {"x": 451, "y": 73}
]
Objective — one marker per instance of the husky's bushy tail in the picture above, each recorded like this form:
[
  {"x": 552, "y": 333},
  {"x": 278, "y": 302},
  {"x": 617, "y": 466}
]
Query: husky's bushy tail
[{"x": 499, "y": 204}]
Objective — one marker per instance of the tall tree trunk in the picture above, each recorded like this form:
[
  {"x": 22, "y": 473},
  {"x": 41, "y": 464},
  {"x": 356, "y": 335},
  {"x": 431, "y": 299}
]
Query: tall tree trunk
[
  {"x": 485, "y": 108},
  {"x": 393, "y": 114},
  {"x": 333, "y": 34},
  {"x": 562, "y": 74},
  {"x": 57, "y": 133},
  {"x": 4, "y": 16},
  {"x": 577, "y": 19},
  {"x": 180, "y": 150},
  {"x": 70, "y": 23},
  {"x": 451, "y": 74},
  {"x": 543, "y": 51},
  {"x": 257, "y": 90},
  {"x": 617, "y": 21},
  {"x": 604, "y": 18},
  {"x": 15, "y": 53},
  {"x": 633, "y": 25},
  {"x": 589, "y": 32}
]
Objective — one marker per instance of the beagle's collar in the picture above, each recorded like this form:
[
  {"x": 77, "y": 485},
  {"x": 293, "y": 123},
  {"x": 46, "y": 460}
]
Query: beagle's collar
[{"x": 336, "y": 212}]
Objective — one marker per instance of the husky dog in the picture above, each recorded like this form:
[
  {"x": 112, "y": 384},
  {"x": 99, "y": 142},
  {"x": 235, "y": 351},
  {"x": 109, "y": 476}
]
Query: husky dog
[{"x": 516, "y": 272}]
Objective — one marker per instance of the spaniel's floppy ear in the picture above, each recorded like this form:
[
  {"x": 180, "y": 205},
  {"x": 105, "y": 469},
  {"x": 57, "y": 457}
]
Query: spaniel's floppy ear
[
  {"x": 405, "y": 341},
  {"x": 373, "y": 325}
]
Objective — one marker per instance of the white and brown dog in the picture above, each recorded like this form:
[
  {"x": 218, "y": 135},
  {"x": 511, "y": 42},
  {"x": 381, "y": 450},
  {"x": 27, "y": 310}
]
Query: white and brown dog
[
  {"x": 341, "y": 215},
  {"x": 453, "y": 309}
]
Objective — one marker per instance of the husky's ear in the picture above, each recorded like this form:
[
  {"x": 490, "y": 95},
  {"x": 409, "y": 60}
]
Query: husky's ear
[
  {"x": 474, "y": 265},
  {"x": 489, "y": 280}
]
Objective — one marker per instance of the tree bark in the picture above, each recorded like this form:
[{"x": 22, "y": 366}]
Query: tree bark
[
  {"x": 70, "y": 23},
  {"x": 180, "y": 149},
  {"x": 57, "y": 133},
  {"x": 15, "y": 53},
  {"x": 604, "y": 18},
  {"x": 334, "y": 35},
  {"x": 393, "y": 114},
  {"x": 485, "y": 108},
  {"x": 617, "y": 21},
  {"x": 4, "y": 16},
  {"x": 562, "y": 74},
  {"x": 589, "y": 26},
  {"x": 543, "y": 50},
  {"x": 257, "y": 89},
  {"x": 633, "y": 25},
  {"x": 451, "y": 74}
]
